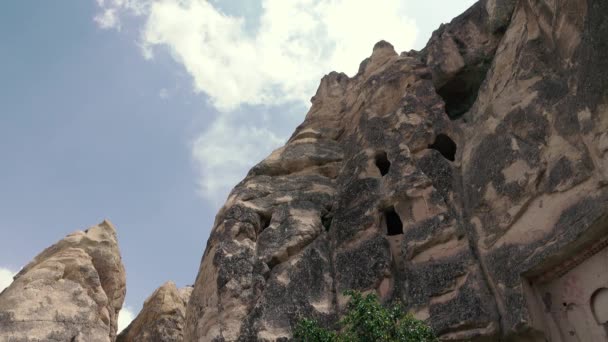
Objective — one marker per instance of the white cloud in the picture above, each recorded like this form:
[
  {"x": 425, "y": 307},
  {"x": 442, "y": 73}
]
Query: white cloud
[
  {"x": 226, "y": 151},
  {"x": 125, "y": 316},
  {"x": 108, "y": 19},
  {"x": 296, "y": 43},
  {"x": 6, "y": 278},
  {"x": 163, "y": 94},
  {"x": 279, "y": 62}
]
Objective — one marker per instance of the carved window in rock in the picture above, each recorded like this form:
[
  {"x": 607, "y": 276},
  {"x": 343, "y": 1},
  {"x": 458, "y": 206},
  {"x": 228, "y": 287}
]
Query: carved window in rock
[
  {"x": 382, "y": 162},
  {"x": 394, "y": 226},
  {"x": 265, "y": 219},
  {"x": 444, "y": 145}
]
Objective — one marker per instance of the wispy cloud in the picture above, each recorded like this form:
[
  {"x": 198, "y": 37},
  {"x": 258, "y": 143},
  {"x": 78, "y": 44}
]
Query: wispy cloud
[
  {"x": 108, "y": 18},
  {"x": 278, "y": 62},
  {"x": 163, "y": 94},
  {"x": 6, "y": 278},
  {"x": 295, "y": 44},
  {"x": 225, "y": 152}
]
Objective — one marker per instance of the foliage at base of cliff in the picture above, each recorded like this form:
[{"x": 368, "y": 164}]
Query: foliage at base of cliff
[{"x": 367, "y": 320}]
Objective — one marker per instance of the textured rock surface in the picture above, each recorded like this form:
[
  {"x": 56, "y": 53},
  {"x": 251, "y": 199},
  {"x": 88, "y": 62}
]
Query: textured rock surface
[
  {"x": 72, "y": 291},
  {"x": 162, "y": 317},
  {"x": 449, "y": 178}
]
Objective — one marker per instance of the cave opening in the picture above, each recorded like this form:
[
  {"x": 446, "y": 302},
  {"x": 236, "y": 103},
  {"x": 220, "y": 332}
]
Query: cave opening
[
  {"x": 326, "y": 221},
  {"x": 382, "y": 162},
  {"x": 394, "y": 226},
  {"x": 265, "y": 219},
  {"x": 444, "y": 145},
  {"x": 460, "y": 93}
]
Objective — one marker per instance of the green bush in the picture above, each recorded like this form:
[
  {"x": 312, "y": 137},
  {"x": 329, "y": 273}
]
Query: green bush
[{"x": 367, "y": 320}]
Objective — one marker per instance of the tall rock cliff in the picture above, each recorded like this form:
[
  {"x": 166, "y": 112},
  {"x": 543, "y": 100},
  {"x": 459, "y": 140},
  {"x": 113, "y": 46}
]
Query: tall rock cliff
[
  {"x": 72, "y": 291},
  {"x": 467, "y": 180}
]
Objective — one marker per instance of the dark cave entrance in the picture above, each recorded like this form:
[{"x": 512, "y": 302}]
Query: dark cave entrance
[
  {"x": 460, "y": 92},
  {"x": 382, "y": 162},
  {"x": 265, "y": 219},
  {"x": 394, "y": 226},
  {"x": 444, "y": 145}
]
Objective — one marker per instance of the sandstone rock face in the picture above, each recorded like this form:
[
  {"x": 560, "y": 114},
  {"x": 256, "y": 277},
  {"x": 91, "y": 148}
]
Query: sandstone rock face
[
  {"x": 162, "y": 317},
  {"x": 467, "y": 180},
  {"x": 72, "y": 291},
  {"x": 533, "y": 165}
]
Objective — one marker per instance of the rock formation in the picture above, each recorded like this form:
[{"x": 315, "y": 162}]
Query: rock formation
[
  {"x": 162, "y": 317},
  {"x": 467, "y": 180},
  {"x": 72, "y": 291}
]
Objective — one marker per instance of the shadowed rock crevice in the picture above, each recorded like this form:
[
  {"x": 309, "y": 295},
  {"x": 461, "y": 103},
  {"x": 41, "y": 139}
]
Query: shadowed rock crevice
[
  {"x": 265, "y": 219},
  {"x": 461, "y": 53},
  {"x": 382, "y": 162},
  {"x": 326, "y": 220},
  {"x": 460, "y": 92},
  {"x": 394, "y": 226},
  {"x": 445, "y": 145}
]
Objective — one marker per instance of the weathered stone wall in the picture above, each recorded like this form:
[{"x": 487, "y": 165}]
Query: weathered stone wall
[
  {"x": 448, "y": 179},
  {"x": 534, "y": 169}
]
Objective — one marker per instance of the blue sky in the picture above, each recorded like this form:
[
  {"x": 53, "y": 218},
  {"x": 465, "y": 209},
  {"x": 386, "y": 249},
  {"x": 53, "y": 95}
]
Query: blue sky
[{"x": 147, "y": 112}]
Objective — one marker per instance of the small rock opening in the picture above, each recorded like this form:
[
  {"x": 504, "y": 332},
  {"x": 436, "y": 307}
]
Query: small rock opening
[
  {"x": 264, "y": 221},
  {"x": 326, "y": 221},
  {"x": 382, "y": 162},
  {"x": 327, "y": 216},
  {"x": 444, "y": 145},
  {"x": 394, "y": 226}
]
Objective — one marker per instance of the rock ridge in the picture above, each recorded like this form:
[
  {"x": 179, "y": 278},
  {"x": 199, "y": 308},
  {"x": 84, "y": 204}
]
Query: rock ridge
[
  {"x": 72, "y": 291},
  {"x": 161, "y": 318},
  {"x": 451, "y": 179}
]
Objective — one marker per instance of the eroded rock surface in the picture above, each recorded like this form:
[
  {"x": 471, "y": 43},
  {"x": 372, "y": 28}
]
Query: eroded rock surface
[
  {"x": 455, "y": 179},
  {"x": 162, "y": 317},
  {"x": 72, "y": 291},
  {"x": 533, "y": 169}
]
